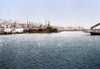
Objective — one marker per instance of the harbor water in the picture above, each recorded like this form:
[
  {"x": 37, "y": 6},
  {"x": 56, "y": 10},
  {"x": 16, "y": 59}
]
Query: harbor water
[{"x": 64, "y": 50}]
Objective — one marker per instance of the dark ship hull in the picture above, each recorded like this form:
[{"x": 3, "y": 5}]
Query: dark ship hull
[
  {"x": 5, "y": 33},
  {"x": 94, "y": 33}
]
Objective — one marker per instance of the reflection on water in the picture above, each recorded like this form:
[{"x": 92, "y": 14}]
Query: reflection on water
[{"x": 65, "y": 50}]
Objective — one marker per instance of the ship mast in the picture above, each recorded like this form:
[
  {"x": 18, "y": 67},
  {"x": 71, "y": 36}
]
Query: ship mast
[{"x": 27, "y": 24}]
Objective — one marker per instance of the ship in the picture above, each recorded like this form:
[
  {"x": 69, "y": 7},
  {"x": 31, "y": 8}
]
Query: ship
[{"x": 94, "y": 31}]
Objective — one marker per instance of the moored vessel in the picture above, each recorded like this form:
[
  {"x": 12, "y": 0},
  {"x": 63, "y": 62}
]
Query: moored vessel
[{"x": 95, "y": 31}]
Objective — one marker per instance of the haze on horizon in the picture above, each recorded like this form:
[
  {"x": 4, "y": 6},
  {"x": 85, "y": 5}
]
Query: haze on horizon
[{"x": 60, "y": 12}]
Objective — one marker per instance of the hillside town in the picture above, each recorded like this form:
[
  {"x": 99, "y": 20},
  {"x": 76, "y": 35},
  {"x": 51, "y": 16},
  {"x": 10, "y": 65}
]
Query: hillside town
[{"x": 15, "y": 26}]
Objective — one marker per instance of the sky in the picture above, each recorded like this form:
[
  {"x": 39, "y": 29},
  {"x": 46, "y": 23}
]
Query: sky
[{"x": 59, "y": 12}]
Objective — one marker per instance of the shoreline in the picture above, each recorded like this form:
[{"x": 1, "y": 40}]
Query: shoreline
[{"x": 39, "y": 32}]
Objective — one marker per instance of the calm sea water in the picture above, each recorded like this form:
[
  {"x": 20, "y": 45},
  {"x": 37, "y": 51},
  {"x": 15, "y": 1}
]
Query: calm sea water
[{"x": 65, "y": 50}]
